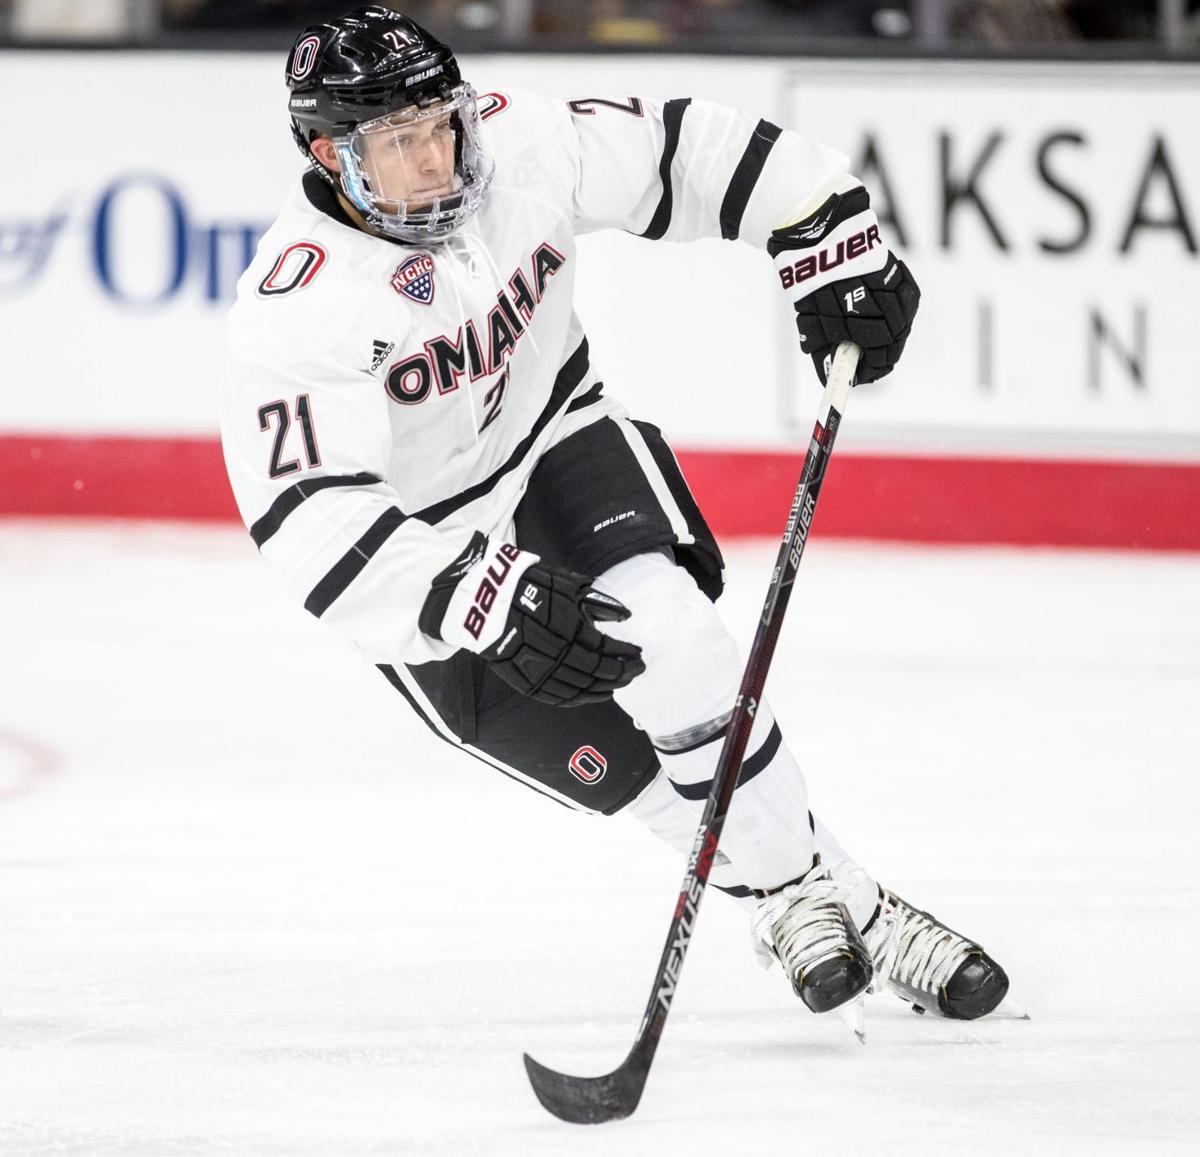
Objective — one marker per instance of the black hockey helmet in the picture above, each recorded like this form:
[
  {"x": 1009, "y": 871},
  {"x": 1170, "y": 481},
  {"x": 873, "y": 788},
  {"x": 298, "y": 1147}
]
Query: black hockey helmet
[
  {"x": 367, "y": 63},
  {"x": 358, "y": 70}
]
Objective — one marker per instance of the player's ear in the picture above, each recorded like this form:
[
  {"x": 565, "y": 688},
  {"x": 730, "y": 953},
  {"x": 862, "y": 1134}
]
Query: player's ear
[{"x": 322, "y": 148}]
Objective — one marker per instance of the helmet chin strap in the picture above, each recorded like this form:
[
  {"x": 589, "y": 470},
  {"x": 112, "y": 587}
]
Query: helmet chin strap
[
  {"x": 355, "y": 216},
  {"x": 348, "y": 207},
  {"x": 351, "y": 181}
]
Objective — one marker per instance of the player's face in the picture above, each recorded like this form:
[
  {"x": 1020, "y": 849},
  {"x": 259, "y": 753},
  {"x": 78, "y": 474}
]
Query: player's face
[{"x": 413, "y": 163}]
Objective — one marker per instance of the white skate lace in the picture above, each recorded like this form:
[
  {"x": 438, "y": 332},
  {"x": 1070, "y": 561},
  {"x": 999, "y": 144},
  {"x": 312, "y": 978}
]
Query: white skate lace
[
  {"x": 801, "y": 924},
  {"x": 910, "y": 948}
]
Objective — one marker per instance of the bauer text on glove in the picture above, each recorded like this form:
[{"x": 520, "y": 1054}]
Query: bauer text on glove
[
  {"x": 846, "y": 285},
  {"x": 533, "y": 622}
]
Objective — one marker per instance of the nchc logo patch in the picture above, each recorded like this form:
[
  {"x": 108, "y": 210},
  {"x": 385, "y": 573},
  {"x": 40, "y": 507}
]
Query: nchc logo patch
[{"x": 414, "y": 278}]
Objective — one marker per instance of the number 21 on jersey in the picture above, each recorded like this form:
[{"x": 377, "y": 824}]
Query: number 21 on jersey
[{"x": 277, "y": 414}]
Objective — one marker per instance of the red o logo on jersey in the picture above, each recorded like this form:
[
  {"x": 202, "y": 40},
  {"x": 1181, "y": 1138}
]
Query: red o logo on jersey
[
  {"x": 588, "y": 765},
  {"x": 490, "y": 104},
  {"x": 294, "y": 268}
]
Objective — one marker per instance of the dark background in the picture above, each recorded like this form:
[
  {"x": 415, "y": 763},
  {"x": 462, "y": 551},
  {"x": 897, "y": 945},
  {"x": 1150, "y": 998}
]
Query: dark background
[{"x": 1123, "y": 28}]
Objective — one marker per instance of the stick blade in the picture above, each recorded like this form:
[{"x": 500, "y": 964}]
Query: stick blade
[{"x": 589, "y": 1100}]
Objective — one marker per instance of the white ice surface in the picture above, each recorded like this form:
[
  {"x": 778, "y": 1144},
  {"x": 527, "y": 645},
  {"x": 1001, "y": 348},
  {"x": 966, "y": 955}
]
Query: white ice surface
[{"x": 249, "y": 906}]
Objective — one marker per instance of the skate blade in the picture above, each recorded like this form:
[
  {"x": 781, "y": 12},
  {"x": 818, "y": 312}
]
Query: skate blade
[
  {"x": 1008, "y": 1009},
  {"x": 852, "y": 1015}
]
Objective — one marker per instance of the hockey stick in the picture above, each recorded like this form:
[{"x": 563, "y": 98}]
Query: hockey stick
[{"x": 590, "y": 1100}]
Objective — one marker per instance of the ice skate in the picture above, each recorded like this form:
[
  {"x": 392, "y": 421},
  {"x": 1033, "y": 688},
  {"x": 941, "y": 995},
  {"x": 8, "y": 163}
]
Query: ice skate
[
  {"x": 929, "y": 965},
  {"x": 805, "y": 925}
]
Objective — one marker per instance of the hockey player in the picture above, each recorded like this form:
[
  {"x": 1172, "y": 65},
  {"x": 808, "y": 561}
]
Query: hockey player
[{"x": 418, "y": 441}]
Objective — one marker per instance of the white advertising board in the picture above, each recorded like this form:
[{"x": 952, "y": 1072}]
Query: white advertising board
[{"x": 1051, "y": 215}]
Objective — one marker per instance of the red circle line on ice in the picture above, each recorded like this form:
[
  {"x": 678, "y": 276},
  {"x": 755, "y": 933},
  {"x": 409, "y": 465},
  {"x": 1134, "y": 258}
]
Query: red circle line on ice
[{"x": 25, "y": 763}]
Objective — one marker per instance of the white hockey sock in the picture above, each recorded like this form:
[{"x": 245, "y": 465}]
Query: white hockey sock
[
  {"x": 682, "y": 702},
  {"x": 862, "y": 893},
  {"x": 767, "y": 832},
  {"x": 669, "y": 817}
]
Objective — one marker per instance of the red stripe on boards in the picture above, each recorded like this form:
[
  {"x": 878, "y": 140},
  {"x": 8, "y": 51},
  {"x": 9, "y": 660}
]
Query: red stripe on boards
[
  {"x": 1023, "y": 502},
  {"x": 1029, "y": 502},
  {"x": 114, "y": 476}
]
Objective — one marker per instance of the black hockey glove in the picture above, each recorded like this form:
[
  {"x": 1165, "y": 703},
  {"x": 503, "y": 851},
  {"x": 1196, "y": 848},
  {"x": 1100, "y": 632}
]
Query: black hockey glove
[
  {"x": 533, "y": 623},
  {"x": 846, "y": 285}
]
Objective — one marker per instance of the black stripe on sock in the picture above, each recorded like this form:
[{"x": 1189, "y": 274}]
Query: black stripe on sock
[
  {"x": 293, "y": 496},
  {"x": 745, "y": 177},
  {"x": 692, "y": 791},
  {"x": 737, "y": 891},
  {"x": 673, "y": 123},
  {"x": 350, "y": 565},
  {"x": 762, "y": 757},
  {"x": 750, "y": 768}
]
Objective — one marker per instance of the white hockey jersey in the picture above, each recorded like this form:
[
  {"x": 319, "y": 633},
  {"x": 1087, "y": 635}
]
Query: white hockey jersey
[{"x": 383, "y": 402}]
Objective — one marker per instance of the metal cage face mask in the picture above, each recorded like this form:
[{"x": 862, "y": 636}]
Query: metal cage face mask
[{"x": 418, "y": 174}]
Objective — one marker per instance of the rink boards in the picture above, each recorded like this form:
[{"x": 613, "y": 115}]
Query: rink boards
[{"x": 1048, "y": 395}]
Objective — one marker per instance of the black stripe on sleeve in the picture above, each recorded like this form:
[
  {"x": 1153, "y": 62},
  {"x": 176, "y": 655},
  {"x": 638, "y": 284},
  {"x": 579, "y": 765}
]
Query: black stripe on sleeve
[
  {"x": 347, "y": 568},
  {"x": 588, "y": 398},
  {"x": 751, "y": 767},
  {"x": 293, "y": 496},
  {"x": 350, "y": 565},
  {"x": 745, "y": 177},
  {"x": 672, "y": 122},
  {"x": 573, "y": 371}
]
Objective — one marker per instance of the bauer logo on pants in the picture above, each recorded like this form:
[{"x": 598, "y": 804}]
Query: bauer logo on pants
[
  {"x": 588, "y": 765},
  {"x": 415, "y": 278}
]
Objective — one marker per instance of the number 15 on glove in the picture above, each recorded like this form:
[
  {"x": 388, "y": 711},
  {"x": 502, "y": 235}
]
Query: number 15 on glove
[{"x": 846, "y": 285}]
